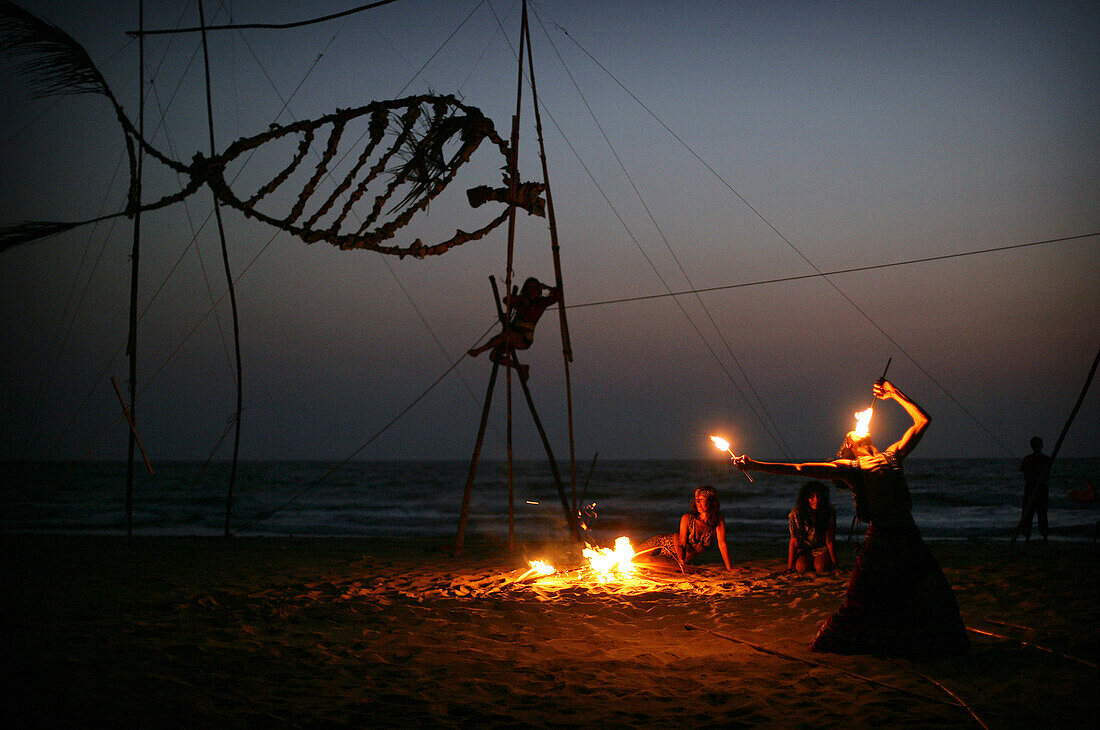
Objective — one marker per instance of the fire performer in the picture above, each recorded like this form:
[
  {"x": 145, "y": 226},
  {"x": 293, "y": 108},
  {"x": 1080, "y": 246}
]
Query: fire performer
[
  {"x": 700, "y": 527},
  {"x": 898, "y": 601}
]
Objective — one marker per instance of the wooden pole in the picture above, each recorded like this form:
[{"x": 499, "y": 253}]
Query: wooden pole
[
  {"x": 232, "y": 290},
  {"x": 570, "y": 514},
  {"x": 135, "y": 256},
  {"x": 513, "y": 183},
  {"x": 555, "y": 248},
  {"x": 461, "y": 536}
]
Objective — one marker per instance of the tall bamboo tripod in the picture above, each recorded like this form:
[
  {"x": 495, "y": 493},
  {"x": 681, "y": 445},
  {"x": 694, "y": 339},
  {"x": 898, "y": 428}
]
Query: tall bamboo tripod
[{"x": 505, "y": 315}]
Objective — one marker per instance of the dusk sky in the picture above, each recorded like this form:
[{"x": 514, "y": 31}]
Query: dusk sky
[{"x": 691, "y": 146}]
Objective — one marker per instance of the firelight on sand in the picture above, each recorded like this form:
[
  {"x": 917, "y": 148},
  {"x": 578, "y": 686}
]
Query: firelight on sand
[{"x": 863, "y": 423}]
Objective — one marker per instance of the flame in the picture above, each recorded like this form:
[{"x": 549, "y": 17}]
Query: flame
[
  {"x": 720, "y": 443},
  {"x": 541, "y": 568},
  {"x": 611, "y": 564},
  {"x": 863, "y": 423}
]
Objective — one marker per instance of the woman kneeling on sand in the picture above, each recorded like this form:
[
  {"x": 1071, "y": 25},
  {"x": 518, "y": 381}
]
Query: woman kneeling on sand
[
  {"x": 702, "y": 526},
  {"x": 812, "y": 525},
  {"x": 898, "y": 601}
]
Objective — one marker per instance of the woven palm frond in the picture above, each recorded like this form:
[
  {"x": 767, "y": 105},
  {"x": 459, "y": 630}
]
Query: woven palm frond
[
  {"x": 53, "y": 62},
  {"x": 423, "y": 163}
]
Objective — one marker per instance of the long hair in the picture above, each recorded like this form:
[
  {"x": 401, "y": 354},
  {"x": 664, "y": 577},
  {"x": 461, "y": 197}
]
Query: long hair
[
  {"x": 852, "y": 444},
  {"x": 714, "y": 508},
  {"x": 824, "y": 507}
]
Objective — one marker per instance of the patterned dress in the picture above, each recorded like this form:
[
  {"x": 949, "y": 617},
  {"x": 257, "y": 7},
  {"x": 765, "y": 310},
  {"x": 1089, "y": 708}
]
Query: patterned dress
[{"x": 700, "y": 536}]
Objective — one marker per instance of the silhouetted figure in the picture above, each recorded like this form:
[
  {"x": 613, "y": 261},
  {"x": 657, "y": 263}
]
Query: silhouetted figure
[
  {"x": 898, "y": 601},
  {"x": 812, "y": 524},
  {"x": 700, "y": 527},
  {"x": 1036, "y": 492},
  {"x": 527, "y": 306}
]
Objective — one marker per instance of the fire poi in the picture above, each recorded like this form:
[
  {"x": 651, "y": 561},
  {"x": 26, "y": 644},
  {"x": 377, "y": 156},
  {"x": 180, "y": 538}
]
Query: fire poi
[
  {"x": 863, "y": 423},
  {"x": 722, "y": 445}
]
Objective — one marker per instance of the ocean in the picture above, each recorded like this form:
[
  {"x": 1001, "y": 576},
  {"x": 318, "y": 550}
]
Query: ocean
[{"x": 953, "y": 499}]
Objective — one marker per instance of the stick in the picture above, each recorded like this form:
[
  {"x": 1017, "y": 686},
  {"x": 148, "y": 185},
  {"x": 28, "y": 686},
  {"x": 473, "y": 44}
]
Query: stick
[
  {"x": 888, "y": 361},
  {"x": 953, "y": 695},
  {"x": 591, "y": 468},
  {"x": 781, "y": 655},
  {"x": 1033, "y": 646},
  {"x": 133, "y": 429}
]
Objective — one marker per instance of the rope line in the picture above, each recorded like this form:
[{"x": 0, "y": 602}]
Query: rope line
[
  {"x": 835, "y": 272},
  {"x": 265, "y": 26},
  {"x": 863, "y": 313},
  {"x": 767, "y": 421}
]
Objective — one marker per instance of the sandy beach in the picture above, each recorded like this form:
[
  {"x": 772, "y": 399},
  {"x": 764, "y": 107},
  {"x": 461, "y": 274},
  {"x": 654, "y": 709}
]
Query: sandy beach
[{"x": 260, "y": 632}]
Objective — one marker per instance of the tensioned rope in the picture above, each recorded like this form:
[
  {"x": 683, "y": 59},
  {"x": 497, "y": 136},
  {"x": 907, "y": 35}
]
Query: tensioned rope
[
  {"x": 835, "y": 272},
  {"x": 818, "y": 272},
  {"x": 766, "y": 420},
  {"x": 272, "y": 26}
]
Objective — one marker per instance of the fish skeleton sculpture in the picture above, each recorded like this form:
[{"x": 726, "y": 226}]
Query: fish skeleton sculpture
[{"x": 405, "y": 152}]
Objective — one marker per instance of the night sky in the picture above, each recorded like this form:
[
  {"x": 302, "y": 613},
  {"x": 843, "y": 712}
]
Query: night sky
[{"x": 691, "y": 146}]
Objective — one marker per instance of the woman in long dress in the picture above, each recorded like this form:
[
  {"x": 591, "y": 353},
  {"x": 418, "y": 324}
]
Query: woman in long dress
[{"x": 898, "y": 601}]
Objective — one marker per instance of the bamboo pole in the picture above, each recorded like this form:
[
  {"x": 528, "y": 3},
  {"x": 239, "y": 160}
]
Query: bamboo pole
[
  {"x": 513, "y": 182},
  {"x": 461, "y": 536},
  {"x": 570, "y": 514},
  {"x": 555, "y": 249},
  {"x": 232, "y": 290},
  {"x": 135, "y": 257}
]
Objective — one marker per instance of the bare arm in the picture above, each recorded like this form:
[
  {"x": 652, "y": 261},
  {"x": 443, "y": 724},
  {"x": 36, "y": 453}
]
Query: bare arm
[
  {"x": 792, "y": 547},
  {"x": 818, "y": 470},
  {"x": 902, "y": 447}
]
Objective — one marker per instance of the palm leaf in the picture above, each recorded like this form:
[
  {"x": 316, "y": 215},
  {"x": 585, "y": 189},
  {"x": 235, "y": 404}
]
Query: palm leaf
[{"x": 53, "y": 62}]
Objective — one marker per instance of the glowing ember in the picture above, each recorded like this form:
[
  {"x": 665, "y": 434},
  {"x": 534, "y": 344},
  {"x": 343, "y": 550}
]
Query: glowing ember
[
  {"x": 863, "y": 423},
  {"x": 612, "y": 564},
  {"x": 540, "y": 568},
  {"x": 720, "y": 443}
]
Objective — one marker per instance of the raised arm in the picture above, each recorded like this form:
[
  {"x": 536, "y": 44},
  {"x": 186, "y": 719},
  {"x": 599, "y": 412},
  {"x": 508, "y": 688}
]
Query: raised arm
[{"x": 884, "y": 389}]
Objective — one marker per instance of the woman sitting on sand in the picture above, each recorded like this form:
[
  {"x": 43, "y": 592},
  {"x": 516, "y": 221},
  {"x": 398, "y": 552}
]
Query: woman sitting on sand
[
  {"x": 898, "y": 601},
  {"x": 812, "y": 525},
  {"x": 699, "y": 529}
]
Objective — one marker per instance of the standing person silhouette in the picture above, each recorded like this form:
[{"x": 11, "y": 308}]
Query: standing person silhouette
[
  {"x": 898, "y": 602},
  {"x": 1036, "y": 492}
]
